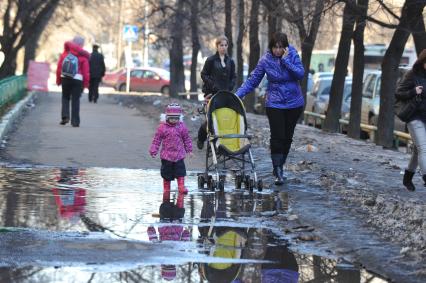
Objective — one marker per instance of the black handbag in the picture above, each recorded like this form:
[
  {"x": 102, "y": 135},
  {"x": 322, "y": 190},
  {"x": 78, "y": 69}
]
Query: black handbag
[{"x": 405, "y": 109}]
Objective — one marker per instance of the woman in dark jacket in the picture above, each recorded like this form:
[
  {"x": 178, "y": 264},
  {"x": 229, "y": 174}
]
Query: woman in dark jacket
[
  {"x": 414, "y": 84},
  {"x": 284, "y": 99},
  {"x": 218, "y": 74}
]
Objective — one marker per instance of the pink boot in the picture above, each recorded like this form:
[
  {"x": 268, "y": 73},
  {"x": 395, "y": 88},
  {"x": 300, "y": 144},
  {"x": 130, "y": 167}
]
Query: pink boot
[
  {"x": 166, "y": 190},
  {"x": 181, "y": 185}
]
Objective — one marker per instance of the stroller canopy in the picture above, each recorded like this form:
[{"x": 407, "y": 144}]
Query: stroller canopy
[{"x": 226, "y": 116}]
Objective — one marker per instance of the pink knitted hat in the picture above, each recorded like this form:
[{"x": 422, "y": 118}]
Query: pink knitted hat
[{"x": 173, "y": 110}]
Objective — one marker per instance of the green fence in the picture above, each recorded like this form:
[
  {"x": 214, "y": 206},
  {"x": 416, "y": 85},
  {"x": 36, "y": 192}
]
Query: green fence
[{"x": 12, "y": 89}]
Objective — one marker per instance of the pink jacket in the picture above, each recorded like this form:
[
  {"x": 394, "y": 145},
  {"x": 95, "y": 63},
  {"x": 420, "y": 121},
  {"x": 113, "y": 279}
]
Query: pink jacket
[
  {"x": 83, "y": 62},
  {"x": 174, "y": 139}
]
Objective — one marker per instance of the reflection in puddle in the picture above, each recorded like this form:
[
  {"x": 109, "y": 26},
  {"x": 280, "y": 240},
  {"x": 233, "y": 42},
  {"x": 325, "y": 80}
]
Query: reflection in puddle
[{"x": 109, "y": 225}]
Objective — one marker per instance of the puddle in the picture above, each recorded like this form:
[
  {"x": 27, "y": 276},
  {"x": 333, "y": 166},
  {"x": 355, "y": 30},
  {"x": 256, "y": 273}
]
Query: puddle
[{"x": 105, "y": 225}]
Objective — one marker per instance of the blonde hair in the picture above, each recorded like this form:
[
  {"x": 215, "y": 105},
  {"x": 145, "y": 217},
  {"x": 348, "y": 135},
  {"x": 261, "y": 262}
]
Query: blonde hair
[{"x": 221, "y": 38}]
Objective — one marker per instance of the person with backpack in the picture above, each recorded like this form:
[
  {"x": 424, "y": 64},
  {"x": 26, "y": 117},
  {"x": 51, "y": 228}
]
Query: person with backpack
[
  {"x": 97, "y": 71},
  {"x": 73, "y": 74}
]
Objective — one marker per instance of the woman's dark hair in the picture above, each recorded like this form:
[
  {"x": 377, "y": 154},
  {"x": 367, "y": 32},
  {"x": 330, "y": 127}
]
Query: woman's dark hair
[
  {"x": 418, "y": 65},
  {"x": 279, "y": 39}
]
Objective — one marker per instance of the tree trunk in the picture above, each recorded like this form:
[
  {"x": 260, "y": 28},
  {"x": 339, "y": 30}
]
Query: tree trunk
[
  {"x": 308, "y": 43},
  {"x": 354, "y": 128},
  {"x": 272, "y": 22},
  {"x": 410, "y": 13},
  {"x": 241, "y": 28},
  {"x": 32, "y": 44},
  {"x": 8, "y": 67},
  {"x": 331, "y": 123},
  {"x": 177, "y": 76},
  {"x": 228, "y": 25},
  {"x": 19, "y": 23},
  {"x": 254, "y": 49},
  {"x": 195, "y": 44},
  {"x": 418, "y": 31}
]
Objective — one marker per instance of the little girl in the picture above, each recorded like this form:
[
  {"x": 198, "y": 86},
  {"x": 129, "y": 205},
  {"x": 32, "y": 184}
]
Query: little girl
[{"x": 173, "y": 137}]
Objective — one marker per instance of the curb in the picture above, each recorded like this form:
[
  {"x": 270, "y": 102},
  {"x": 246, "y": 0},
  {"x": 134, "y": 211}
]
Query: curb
[{"x": 8, "y": 119}]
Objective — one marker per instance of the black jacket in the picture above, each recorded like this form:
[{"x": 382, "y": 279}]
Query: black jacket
[
  {"x": 97, "y": 65},
  {"x": 406, "y": 90},
  {"x": 215, "y": 77}
]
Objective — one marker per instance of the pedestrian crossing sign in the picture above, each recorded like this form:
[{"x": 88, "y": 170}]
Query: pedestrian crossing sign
[{"x": 130, "y": 33}]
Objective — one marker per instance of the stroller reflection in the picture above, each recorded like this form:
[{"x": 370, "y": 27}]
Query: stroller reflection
[{"x": 221, "y": 238}]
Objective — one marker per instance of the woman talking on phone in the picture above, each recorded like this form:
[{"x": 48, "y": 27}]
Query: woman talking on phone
[{"x": 284, "y": 100}]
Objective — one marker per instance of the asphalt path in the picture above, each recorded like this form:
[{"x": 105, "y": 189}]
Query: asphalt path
[{"x": 110, "y": 135}]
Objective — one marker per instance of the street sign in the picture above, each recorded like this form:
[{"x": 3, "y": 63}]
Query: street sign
[{"x": 130, "y": 33}]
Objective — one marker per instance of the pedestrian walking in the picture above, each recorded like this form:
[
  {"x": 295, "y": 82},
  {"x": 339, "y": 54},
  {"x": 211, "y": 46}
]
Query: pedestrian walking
[
  {"x": 173, "y": 137},
  {"x": 97, "y": 71},
  {"x": 412, "y": 89},
  {"x": 284, "y": 100},
  {"x": 218, "y": 74},
  {"x": 73, "y": 74}
]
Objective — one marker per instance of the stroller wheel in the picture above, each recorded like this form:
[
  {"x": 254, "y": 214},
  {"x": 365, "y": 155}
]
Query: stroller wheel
[
  {"x": 238, "y": 181},
  {"x": 201, "y": 182},
  {"x": 259, "y": 185}
]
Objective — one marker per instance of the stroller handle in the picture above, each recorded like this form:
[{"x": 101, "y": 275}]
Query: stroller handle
[{"x": 232, "y": 136}]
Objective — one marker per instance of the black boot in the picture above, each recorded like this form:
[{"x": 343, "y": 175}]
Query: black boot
[
  {"x": 279, "y": 180},
  {"x": 424, "y": 180},
  {"x": 407, "y": 181},
  {"x": 277, "y": 163}
]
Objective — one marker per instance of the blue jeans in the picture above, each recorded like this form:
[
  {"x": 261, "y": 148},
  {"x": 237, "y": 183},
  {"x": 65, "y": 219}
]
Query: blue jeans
[{"x": 417, "y": 129}]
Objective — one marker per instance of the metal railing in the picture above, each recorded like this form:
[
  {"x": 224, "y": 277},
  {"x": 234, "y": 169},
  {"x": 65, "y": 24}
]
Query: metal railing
[
  {"x": 12, "y": 89},
  {"x": 370, "y": 129}
]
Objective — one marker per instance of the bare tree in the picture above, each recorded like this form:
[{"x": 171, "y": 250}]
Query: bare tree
[
  {"x": 241, "y": 31},
  {"x": 358, "y": 71},
  {"x": 20, "y": 19},
  {"x": 195, "y": 43},
  {"x": 177, "y": 76},
  {"x": 254, "y": 48},
  {"x": 32, "y": 43},
  {"x": 228, "y": 25},
  {"x": 306, "y": 16},
  {"x": 410, "y": 14},
  {"x": 331, "y": 122}
]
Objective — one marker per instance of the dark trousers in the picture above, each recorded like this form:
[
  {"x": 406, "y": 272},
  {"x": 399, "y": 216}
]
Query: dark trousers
[
  {"x": 282, "y": 123},
  {"x": 94, "y": 89},
  {"x": 71, "y": 90}
]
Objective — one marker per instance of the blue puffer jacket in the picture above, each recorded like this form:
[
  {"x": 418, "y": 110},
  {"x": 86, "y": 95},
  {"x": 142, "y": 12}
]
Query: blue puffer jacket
[{"x": 283, "y": 76}]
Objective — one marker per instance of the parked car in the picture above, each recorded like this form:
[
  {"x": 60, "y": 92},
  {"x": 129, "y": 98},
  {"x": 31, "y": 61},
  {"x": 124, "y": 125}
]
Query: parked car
[
  {"x": 144, "y": 79},
  {"x": 321, "y": 85},
  {"x": 371, "y": 98},
  {"x": 321, "y": 102}
]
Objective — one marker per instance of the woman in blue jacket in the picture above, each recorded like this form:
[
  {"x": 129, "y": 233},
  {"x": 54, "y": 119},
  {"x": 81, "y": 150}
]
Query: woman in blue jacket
[{"x": 284, "y": 100}]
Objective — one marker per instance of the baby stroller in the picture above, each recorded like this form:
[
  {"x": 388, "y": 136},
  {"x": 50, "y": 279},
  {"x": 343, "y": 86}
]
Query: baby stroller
[{"x": 228, "y": 144}]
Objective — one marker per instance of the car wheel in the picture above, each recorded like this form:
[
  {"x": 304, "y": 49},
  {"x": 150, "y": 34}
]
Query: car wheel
[
  {"x": 122, "y": 87},
  {"x": 165, "y": 90}
]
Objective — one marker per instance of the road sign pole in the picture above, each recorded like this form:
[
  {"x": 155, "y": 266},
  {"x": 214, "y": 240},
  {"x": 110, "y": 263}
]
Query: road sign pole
[{"x": 128, "y": 68}]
